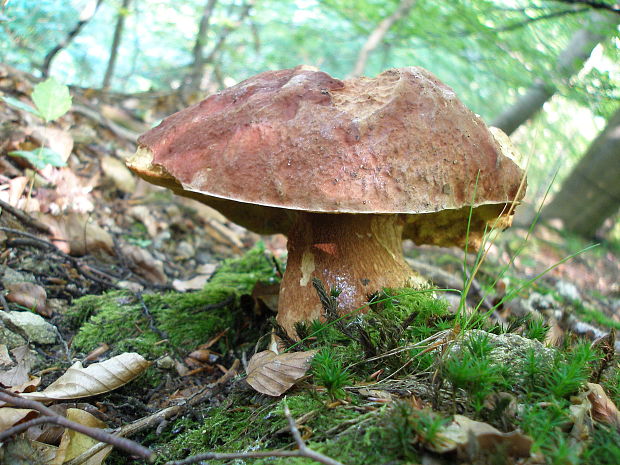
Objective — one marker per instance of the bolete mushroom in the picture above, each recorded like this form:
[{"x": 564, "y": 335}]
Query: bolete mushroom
[{"x": 346, "y": 169}]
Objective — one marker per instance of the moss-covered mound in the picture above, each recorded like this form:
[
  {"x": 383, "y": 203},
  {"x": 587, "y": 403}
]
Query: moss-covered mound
[{"x": 152, "y": 324}]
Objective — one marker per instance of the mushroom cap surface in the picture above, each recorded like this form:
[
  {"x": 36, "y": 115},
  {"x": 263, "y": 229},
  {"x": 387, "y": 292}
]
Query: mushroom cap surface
[{"x": 300, "y": 140}]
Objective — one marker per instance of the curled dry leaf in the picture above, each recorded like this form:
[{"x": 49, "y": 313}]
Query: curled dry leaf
[
  {"x": 144, "y": 264},
  {"x": 73, "y": 443},
  {"x": 603, "y": 409},
  {"x": 273, "y": 374},
  {"x": 75, "y": 234},
  {"x": 9, "y": 416},
  {"x": 471, "y": 437},
  {"x": 16, "y": 376},
  {"x": 29, "y": 295},
  {"x": 95, "y": 379},
  {"x": 194, "y": 284}
]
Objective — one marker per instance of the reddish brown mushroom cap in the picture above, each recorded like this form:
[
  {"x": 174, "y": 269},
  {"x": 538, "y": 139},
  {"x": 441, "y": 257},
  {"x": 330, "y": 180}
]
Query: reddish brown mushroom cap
[{"x": 298, "y": 139}]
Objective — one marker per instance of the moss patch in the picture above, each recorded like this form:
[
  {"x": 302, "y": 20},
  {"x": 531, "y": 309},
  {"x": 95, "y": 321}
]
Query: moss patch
[{"x": 119, "y": 318}]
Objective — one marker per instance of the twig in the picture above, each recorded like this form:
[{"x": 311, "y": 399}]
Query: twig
[
  {"x": 160, "y": 416},
  {"x": 85, "y": 270},
  {"x": 25, "y": 218},
  {"x": 50, "y": 416},
  {"x": 302, "y": 451}
]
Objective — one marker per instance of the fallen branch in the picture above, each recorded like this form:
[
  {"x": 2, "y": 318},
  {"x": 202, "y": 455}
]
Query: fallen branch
[
  {"x": 49, "y": 416},
  {"x": 34, "y": 241},
  {"x": 302, "y": 451},
  {"x": 161, "y": 416},
  {"x": 25, "y": 218}
]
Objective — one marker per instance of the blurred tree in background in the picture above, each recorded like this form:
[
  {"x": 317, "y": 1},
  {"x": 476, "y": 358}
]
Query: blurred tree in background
[{"x": 545, "y": 70}]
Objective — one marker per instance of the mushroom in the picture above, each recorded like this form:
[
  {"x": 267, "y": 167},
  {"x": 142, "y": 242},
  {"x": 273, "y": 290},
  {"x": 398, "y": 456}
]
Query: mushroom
[{"x": 346, "y": 169}]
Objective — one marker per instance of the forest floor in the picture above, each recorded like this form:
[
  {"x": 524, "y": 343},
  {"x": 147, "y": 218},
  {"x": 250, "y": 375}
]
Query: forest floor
[{"x": 136, "y": 312}]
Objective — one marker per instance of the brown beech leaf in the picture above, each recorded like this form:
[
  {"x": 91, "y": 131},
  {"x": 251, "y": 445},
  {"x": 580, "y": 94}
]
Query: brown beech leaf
[
  {"x": 470, "y": 437},
  {"x": 95, "y": 379},
  {"x": 73, "y": 443},
  {"x": 10, "y": 416},
  {"x": 29, "y": 295},
  {"x": 603, "y": 409},
  {"x": 144, "y": 264},
  {"x": 273, "y": 374},
  {"x": 17, "y": 375}
]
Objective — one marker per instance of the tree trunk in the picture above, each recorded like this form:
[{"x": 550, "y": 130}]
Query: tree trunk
[
  {"x": 376, "y": 36},
  {"x": 569, "y": 62},
  {"x": 591, "y": 193},
  {"x": 116, "y": 42},
  {"x": 201, "y": 40},
  {"x": 85, "y": 16}
]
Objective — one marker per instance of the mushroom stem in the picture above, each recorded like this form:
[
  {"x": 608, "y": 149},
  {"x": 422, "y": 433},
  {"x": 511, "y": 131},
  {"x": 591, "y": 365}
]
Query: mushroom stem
[{"x": 357, "y": 254}]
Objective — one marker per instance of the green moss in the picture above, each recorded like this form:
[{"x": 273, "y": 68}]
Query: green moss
[
  {"x": 246, "y": 427},
  {"x": 187, "y": 319}
]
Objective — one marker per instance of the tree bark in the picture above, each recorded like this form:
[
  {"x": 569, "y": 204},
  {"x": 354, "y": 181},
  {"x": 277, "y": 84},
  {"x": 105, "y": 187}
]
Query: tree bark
[
  {"x": 85, "y": 16},
  {"x": 116, "y": 42},
  {"x": 376, "y": 36},
  {"x": 591, "y": 193},
  {"x": 569, "y": 62},
  {"x": 199, "y": 45}
]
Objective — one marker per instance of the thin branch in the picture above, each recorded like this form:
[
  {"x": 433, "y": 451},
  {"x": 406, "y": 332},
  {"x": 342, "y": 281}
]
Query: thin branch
[
  {"x": 376, "y": 36},
  {"x": 302, "y": 451},
  {"x": 247, "y": 7},
  {"x": 127, "y": 445},
  {"x": 25, "y": 218},
  {"x": 527, "y": 22},
  {"x": 593, "y": 4},
  {"x": 86, "y": 15},
  {"x": 162, "y": 415},
  {"x": 201, "y": 39},
  {"x": 84, "y": 270}
]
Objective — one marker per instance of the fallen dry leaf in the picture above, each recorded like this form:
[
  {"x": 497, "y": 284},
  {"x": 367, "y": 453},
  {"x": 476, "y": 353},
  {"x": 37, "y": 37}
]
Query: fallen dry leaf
[
  {"x": 194, "y": 284},
  {"x": 144, "y": 264},
  {"x": 95, "y": 379},
  {"x": 273, "y": 374},
  {"x": 73, "y": 443},
  {"x": 29, "y": 295},
  {"x": 21, "y": 451},
  {"x": 17, "y": 375},
  {"x": 115, "y": 171},
  {"x": 17, "y": 186},
  {"x": 76, "y": 235},
  {"x": 70, "y": 193},
  {"x": 470, "y": 437},
  {"x": 10, "y": 416},
  {"x": 603, "y": 409}
]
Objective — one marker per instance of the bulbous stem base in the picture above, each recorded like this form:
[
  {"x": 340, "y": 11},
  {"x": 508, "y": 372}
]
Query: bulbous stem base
[{"x": 358, "y": 254}]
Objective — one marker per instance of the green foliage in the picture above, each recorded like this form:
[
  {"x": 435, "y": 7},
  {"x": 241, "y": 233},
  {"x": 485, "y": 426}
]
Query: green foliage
[
  {"x": 51, "y": 100},
  {"x": 21, "y": 105},
  {"x": 536, "y": 329},
  {"x": 570, "y": 374},
  {"x": 605, "y": 447},
  {"x": 472, "y": 370},
  {"x": 40, "y": 158},
  {"x": 330, "y": 373}
]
